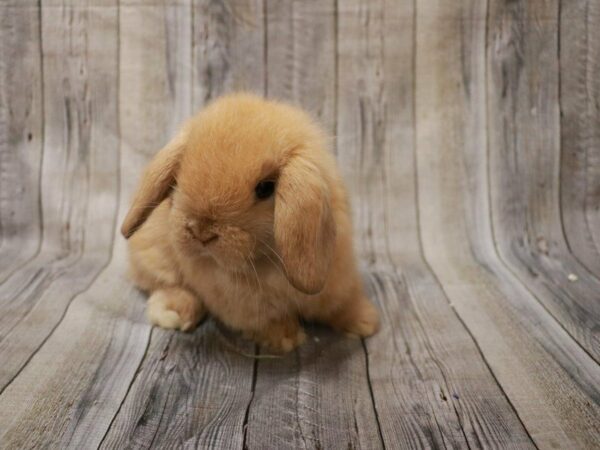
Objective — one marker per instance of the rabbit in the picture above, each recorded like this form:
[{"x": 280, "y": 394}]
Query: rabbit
[{"x": 243, "y": 215}]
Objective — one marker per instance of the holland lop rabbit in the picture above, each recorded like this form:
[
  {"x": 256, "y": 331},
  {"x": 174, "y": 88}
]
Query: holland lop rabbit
[{"x": 244, "y": 215}]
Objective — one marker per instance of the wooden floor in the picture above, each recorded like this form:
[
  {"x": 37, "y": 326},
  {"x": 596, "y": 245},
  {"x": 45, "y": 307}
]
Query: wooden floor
[{"x": 469, "y": 134}]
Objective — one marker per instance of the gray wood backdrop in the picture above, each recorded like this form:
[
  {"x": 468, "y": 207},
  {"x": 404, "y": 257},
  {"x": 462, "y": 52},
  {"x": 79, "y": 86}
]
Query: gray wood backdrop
[{"x": 469, "y": 133}]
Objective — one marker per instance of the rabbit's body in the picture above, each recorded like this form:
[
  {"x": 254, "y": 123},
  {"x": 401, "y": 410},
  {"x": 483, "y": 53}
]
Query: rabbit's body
[{"x": 257, "y": 264}]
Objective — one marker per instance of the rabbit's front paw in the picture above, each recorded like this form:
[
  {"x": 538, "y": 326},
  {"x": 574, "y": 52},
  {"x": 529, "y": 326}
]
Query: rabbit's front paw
[
  {"x": 175, "y": 308},
  {"x": 280, "y": 338},
  {"x": 360, "y": 319}
]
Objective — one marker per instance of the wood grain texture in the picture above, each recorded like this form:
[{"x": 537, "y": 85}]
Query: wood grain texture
[
  {"x": 468, "y": 134},
  {"x": 21, "y": 127},
  {"x": 301, "y": 55},
  {"x": 229, "y": 48},
  {"x": 191, "y": 391},
  {"x": 317, "y": 397},
  {"x": 579, "y": 60}
]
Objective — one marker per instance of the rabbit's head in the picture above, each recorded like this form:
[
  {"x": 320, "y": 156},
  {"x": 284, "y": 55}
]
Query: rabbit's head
[{"x": 248, "y": 180}]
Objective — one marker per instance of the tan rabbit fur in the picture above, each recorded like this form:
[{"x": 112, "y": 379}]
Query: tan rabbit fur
[{"x": 201, "y": 238}]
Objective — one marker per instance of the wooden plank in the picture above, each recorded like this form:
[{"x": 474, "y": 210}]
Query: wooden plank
[
  {"x": 229, "y": 48},
  {"x": 579, "y": 62},
  {"x": 78, "y": 176},
  {"x": 196, "y": 392},
  {"x": 513, "y": 331},
  {"x": 301, "y": 61},
  {"x": 20, "y": 135},
  {"x": 319, "y": 396},
  {"x": 431, "y": 385}
]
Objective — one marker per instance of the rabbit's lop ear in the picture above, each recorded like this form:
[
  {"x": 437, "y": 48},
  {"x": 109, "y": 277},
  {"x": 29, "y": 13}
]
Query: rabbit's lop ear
[
  {"x": 156, "y": 182},
  {"x": 304, "y": 227}
]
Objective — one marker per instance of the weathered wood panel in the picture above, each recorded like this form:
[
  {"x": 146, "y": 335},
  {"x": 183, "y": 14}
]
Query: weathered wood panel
[
  {"x": 21, "y": 127},
  {"x": 579, "y": 64},
  {"x": 229, "y": 47},
  {"x": 301, "y": 55}
]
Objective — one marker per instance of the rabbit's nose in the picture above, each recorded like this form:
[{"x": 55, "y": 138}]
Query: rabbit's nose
[
  {"x": 201, "y": 231},
  {"x": 207, "y": 238}
]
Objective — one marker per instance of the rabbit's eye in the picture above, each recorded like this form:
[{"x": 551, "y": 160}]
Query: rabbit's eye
[{"x": 264, "y": 189}]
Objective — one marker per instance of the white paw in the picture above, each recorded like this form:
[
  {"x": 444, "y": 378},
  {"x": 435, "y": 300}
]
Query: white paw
[{"x": 159, "y": 314}]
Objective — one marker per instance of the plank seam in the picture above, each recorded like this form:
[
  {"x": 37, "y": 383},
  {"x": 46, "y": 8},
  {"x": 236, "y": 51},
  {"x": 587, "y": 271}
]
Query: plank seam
[
  {"x": 335, "y": 74},
  {"x": 256, "y": 347},
  {"x": 369, "y": 384},
  {"x": 252, "y": 391},
  {"x": 265, "y": 49},
  {"x": 192, "y": 100}
]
